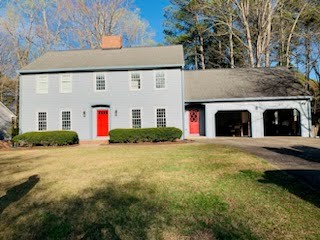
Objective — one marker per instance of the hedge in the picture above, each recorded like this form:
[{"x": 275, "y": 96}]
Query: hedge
[
  {"x": 50, "y": 138},
  {"x": 145, "y": 135}
]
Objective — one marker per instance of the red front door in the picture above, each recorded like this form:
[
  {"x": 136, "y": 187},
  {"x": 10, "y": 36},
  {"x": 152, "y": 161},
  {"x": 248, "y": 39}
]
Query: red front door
[
  {"x": 194, "y": 123},
  {"x": 102, "y": 123}
]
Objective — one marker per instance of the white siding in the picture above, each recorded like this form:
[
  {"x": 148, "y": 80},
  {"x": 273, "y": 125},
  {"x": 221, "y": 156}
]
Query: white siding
[{"x": 117, "y": 95}]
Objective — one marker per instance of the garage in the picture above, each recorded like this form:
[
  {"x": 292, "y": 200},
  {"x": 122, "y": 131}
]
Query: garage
[
  {"x": 252, "y": 103},
  {"x": 233, "y": 124},
  {"x": 282, "y": 122}
]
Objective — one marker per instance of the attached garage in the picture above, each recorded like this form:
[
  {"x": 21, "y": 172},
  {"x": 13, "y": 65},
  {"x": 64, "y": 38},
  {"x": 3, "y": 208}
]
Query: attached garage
[
  {"x": 282, "y": 122},
  {"x": 248, "y": 103},
  {"x": 233, "y": 124}
]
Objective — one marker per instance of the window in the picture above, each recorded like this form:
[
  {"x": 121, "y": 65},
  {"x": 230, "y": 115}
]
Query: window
[
  {"x": 42, "y": 84},
  {"x": 135, "y": 83},
  {"x": 136, "y": 118},
  {"x": 160, "y": 80},
  {"x": 66, "y": 120},
  {"x": 100, "y": 82},
  {"x": 42, "y": 121},
  {"x": 66, "y": 83},
  {"x": 161, "y": 117}
]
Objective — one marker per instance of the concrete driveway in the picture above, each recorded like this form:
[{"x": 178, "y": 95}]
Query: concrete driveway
[{"x": 297, "y": 156}]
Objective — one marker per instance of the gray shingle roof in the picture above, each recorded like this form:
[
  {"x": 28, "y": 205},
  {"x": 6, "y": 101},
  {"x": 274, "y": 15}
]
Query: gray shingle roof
[
  {"x": 125, "y": 58},
  {"x": 241, "y": 83}
]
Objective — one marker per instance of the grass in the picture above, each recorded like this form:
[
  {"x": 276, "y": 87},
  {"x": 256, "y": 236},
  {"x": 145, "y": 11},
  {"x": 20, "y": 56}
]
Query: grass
[{"x": 187, "y": 191}]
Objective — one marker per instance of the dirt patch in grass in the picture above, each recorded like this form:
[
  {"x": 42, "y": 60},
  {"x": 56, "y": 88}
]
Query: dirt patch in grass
[
  {"x": 187, "y": 191},
  {"x": 5, "y": 145}
]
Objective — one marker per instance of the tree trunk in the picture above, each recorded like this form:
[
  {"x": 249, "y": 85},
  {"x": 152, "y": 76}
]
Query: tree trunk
[
  {"x": 203, "y": 65},
  {"x": 231, "y": 42},
  {"x": 196, "y": 58},
  {"x": 281, "y": 38},
  {"x": 287, "y": 55},
  {"x": 244, "y": 7},
  {"x": 307, "y": 41}
]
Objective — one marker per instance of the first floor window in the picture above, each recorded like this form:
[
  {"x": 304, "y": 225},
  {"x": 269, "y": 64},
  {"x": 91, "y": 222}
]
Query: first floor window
[
  {"x": 136, "y": 118},
  {"x": 135, "y": 83},
  {"x": 66, "y": 120},
  {"x": 100, "y": 82},
  {"x": 161, "y": 117},
  {"x": 42, "y": 121}
]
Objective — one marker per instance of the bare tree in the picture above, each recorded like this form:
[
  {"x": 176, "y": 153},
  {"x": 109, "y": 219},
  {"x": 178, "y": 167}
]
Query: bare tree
[{"x": 91, "y": 20}]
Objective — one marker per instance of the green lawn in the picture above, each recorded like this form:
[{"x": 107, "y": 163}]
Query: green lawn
[{"x": 184, "y": 191}]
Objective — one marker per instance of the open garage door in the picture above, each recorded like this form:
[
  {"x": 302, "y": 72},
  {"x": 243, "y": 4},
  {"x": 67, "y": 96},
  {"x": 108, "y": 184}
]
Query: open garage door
[
  {"x": 282, "y": 122},
  {"x": 233, "y": 124}
]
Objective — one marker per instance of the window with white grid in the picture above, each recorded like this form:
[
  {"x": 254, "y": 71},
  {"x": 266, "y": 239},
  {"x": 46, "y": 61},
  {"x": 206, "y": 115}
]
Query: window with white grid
[
  {"x": 136, "y": 118},
  {"x": 135, "y": 83},
  {"x": 42, "y": 121},
  {"x": 42, "y": 84},
  {"x": 160, "y": 80},
  {"x": 100, "y": 82},
  {"x": 66, "y": 120},
  {"x": 161, "y": 117},
  {"x": 66, "y": 83}
]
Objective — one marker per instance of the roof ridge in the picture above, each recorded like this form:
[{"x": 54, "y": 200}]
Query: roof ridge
[
  {"x": 124, "y": 48},
  {"x": 241, "y": 68}
]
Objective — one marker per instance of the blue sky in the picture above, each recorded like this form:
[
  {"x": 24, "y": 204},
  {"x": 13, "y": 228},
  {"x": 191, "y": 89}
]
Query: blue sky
[{"x": 153, "y": 11}]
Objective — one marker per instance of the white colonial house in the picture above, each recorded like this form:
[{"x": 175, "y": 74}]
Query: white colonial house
[{"x": 94, "y": 91}]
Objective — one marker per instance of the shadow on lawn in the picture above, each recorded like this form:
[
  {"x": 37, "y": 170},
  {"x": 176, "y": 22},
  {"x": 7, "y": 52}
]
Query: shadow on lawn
[
  {"x": 114, "y": 212},
  {"x": 308, "y": 153},
  {"x": 302, "y": 183},
  {"x": 130, "y": 211},
  {"x": 17, "y": 192}
]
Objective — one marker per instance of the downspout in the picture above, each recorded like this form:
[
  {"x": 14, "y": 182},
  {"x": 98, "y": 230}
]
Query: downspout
[
  {"x": 309, "y": 118},
  {"x": 183, "y": 105},
  {"x": 19, "y": 117}
]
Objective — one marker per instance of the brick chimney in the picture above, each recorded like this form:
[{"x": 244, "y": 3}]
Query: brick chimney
[{"x": 111, "y": 42}]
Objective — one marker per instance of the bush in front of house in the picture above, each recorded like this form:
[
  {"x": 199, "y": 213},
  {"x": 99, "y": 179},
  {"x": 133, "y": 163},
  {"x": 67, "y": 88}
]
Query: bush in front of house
[
  {"x": 50, "y": 138},
  {"x": 169, "y": 134}
]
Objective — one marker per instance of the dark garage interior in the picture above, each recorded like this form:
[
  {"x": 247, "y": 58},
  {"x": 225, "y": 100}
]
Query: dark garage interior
[
  {"x": 233, "y": 124},
  {"x": 283, "y": 122}
]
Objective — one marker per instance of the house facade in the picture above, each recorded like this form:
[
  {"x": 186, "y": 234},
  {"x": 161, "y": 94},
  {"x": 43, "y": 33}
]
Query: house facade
[{"x": 94, "y": 91}]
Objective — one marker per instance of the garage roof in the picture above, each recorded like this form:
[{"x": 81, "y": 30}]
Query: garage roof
[
  {"x": 109, "y": 59},
  {"x": 242, "y": 83}
]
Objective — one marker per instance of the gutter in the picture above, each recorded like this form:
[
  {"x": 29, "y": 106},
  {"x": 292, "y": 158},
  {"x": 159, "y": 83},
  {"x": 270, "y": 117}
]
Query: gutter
[
  {"x": 93, "y": 69},
  {"x": 219, "y": 100}
]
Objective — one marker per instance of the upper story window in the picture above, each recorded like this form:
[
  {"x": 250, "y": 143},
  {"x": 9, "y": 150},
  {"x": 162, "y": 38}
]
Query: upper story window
[
  {"x": 42, "y": 84},
  {"x": 160, "y": 79},
  {"x": 66, "y": 83},
  {"x": 42, "y": 121},
  {"x": 135, "y": 81},
  {"x": 136, "y": 118},
  {"x": 100, "y": 82},
  {"x": 161, "y": 117},
  {"x": 66, "y": 120}
]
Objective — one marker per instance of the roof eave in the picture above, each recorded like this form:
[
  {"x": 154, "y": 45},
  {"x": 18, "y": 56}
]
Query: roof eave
[
  {"x": 93, "y": 69},
  {"x": 214, "y": 100},
  {"x": 7, "y": 110}
]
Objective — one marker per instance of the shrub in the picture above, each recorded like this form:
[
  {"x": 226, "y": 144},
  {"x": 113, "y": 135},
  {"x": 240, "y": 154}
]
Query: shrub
[
  {"x": 145, "y": 135},
  {"x": 53, "y": 138}
]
